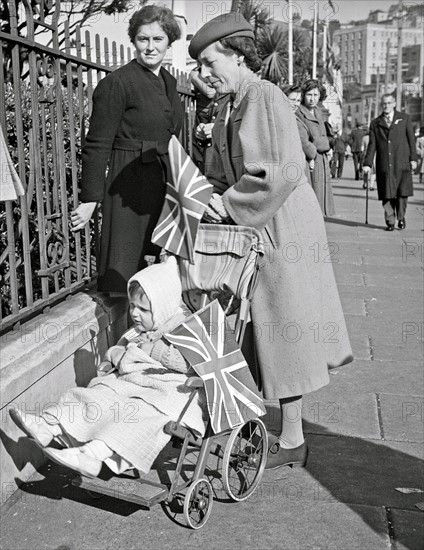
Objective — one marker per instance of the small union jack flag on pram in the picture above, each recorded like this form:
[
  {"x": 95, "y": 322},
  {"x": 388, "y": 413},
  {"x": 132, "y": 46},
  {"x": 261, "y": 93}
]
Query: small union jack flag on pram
[
  {"x": 208, "y": 344},
  {"x": 185, "y": 201}
]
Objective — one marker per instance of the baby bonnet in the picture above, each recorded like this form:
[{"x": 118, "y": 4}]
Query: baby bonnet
[{"x": 161, "y": 283}]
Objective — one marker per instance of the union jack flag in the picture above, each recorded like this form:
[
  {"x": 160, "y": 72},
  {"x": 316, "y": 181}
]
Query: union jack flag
[
  {"x": 209, "y": 345},
  {"x": 185, "y": 201}
]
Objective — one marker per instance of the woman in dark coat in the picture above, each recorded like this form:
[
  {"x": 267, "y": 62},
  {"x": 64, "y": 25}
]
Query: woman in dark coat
[
  {"x": 315, "y": 144},
  {"x": 136, "y": 110}
]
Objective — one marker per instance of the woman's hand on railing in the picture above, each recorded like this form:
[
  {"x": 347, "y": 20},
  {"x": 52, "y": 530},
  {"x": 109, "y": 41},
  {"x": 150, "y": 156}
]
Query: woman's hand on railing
[{"x": 82, "y": 215}]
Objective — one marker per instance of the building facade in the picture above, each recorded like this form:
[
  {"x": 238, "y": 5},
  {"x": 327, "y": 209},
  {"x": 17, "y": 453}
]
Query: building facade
[{"x": 371, "y": 48}]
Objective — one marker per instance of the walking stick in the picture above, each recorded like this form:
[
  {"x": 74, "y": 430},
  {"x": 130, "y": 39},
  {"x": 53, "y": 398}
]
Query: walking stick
[{"x": 366, "y": 197}]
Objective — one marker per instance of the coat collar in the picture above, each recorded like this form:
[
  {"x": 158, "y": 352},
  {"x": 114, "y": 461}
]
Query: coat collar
[
  {"x": 306, "y": 113},
  {"x": 396, "y": 116},
  {"x": 251, "y": 78},
  {"x": 170, "y": 82}
]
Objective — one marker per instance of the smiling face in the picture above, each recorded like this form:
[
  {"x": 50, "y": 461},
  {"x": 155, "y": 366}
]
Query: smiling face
[
  {"x": 151, "y": 43},
  {"x": 311, "y": 98},
  {"x": 221, "y": 70},
  {"x": 294, "y": 98},
  {"x": 141, "y": 311}
]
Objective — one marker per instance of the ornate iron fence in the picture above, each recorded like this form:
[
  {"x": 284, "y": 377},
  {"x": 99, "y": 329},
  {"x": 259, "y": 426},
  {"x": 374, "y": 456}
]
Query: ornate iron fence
[{"x": 48, "y": 91}]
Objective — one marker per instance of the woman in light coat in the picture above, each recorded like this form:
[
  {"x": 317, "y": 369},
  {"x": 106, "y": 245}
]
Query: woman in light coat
[
  {"x": 257, "y": 171},
  {"x": 315, "y": 144}
]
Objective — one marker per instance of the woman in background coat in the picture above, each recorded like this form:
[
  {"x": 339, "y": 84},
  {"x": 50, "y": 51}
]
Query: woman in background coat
[
  {"x": 258, "y": 177},
  {"x": 315, "y": 144},
  {"x": 136, "y": 110}
]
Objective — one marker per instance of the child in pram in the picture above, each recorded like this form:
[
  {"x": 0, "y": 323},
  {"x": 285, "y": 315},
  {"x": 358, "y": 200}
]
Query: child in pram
[{"x": 119, "y": 418}]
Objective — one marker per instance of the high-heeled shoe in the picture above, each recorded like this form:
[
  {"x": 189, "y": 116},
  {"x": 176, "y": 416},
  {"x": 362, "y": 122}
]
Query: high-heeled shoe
[
  {"x": 75, "y": 459},
  {"x": 35, "y": 427},
  {"x": 279, "y": 456}
]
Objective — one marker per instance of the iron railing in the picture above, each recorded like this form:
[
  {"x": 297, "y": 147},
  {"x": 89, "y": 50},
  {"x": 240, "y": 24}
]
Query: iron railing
[{"x": 47, "y": 87}]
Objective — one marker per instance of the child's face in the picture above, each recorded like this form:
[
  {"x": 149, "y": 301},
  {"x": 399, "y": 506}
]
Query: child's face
[{"x": 141, "y": 311}]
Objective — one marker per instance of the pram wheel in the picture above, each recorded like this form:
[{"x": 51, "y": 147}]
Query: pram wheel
[
  {"x": 198, "y": 503},
  {"x": 244, "y": 459}
]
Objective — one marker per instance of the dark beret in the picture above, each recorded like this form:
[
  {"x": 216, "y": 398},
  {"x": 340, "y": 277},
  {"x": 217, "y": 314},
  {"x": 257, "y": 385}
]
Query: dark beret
[{"x": 223, "y": 26}]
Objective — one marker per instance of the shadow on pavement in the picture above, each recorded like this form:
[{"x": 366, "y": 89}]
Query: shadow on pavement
[
  {"x": 356, "y": 472},
  {"x": 361, "y": 473},
  {"x": 353, "y": 224}
]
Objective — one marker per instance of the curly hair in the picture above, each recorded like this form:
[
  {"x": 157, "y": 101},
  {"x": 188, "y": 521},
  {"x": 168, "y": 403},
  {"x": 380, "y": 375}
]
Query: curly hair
[
  {"x": 152, "y": 14},
  {"x": 311, "y": 84},
  {"x": 242, "y": 45}
]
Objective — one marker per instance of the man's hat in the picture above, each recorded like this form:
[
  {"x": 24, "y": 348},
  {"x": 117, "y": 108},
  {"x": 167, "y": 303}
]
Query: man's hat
[{"x": 224, "y": 26}]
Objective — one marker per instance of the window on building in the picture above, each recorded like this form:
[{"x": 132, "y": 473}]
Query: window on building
[{"x": 356, "y": 108}]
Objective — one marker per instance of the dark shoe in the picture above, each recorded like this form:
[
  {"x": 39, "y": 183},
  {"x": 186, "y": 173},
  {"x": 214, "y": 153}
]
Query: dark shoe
[
  {"x": 401, "y": 224},
  {"x": 279, "y": 456},
  {"x": 390, "y": 227}
]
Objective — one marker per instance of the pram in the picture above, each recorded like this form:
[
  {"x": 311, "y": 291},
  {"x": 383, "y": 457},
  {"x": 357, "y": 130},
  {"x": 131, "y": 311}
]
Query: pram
[{"x": 226, "y": 266}]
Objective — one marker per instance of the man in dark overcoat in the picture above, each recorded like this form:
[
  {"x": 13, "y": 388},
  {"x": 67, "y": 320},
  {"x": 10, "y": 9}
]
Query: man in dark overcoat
[{"x": 392, "y": 140}]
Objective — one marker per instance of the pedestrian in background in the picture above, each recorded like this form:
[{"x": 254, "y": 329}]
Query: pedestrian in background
[
  {"x": 369, "y": 178},
  {"x": 356, "y": 149},
  {"x": 315, "y": 143},
  {"x": 294, "y": 95},
  {"x": 207, "y": 106},
  {"x": 136, "y": 110},
  {"x": 420, "y": 153},
  {"x": 392, "y": 141},
  {"x": 339, "y": 152}
]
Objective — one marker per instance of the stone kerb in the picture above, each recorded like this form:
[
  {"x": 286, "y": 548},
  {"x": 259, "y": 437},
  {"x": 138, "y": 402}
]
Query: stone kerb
[{"x": 44, "y": 357}]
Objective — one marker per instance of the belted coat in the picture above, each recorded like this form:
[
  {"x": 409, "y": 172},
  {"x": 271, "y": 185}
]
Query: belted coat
[
  {"x": 257, "y": 165},
  {"x": 135, "y": 113},
  {"x": 315, "y": 144},
  {"x": 394, "y": 149}
]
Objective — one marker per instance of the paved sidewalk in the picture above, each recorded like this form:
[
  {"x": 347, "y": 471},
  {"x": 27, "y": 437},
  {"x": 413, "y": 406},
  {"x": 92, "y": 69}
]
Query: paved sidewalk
[{"x": 365, "y": 430}]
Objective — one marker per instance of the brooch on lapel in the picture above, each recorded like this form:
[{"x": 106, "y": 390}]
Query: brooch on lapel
[{"x": 398, "y": 120}]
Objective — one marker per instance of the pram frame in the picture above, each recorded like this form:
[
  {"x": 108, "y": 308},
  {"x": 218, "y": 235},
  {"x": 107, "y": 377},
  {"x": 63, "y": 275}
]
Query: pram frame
[{"x": 199, "y": 498}]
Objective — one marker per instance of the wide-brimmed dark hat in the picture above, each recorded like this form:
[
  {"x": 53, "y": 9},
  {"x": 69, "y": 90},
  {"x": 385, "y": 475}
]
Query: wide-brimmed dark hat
[{"x": 223, "y": 26}]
